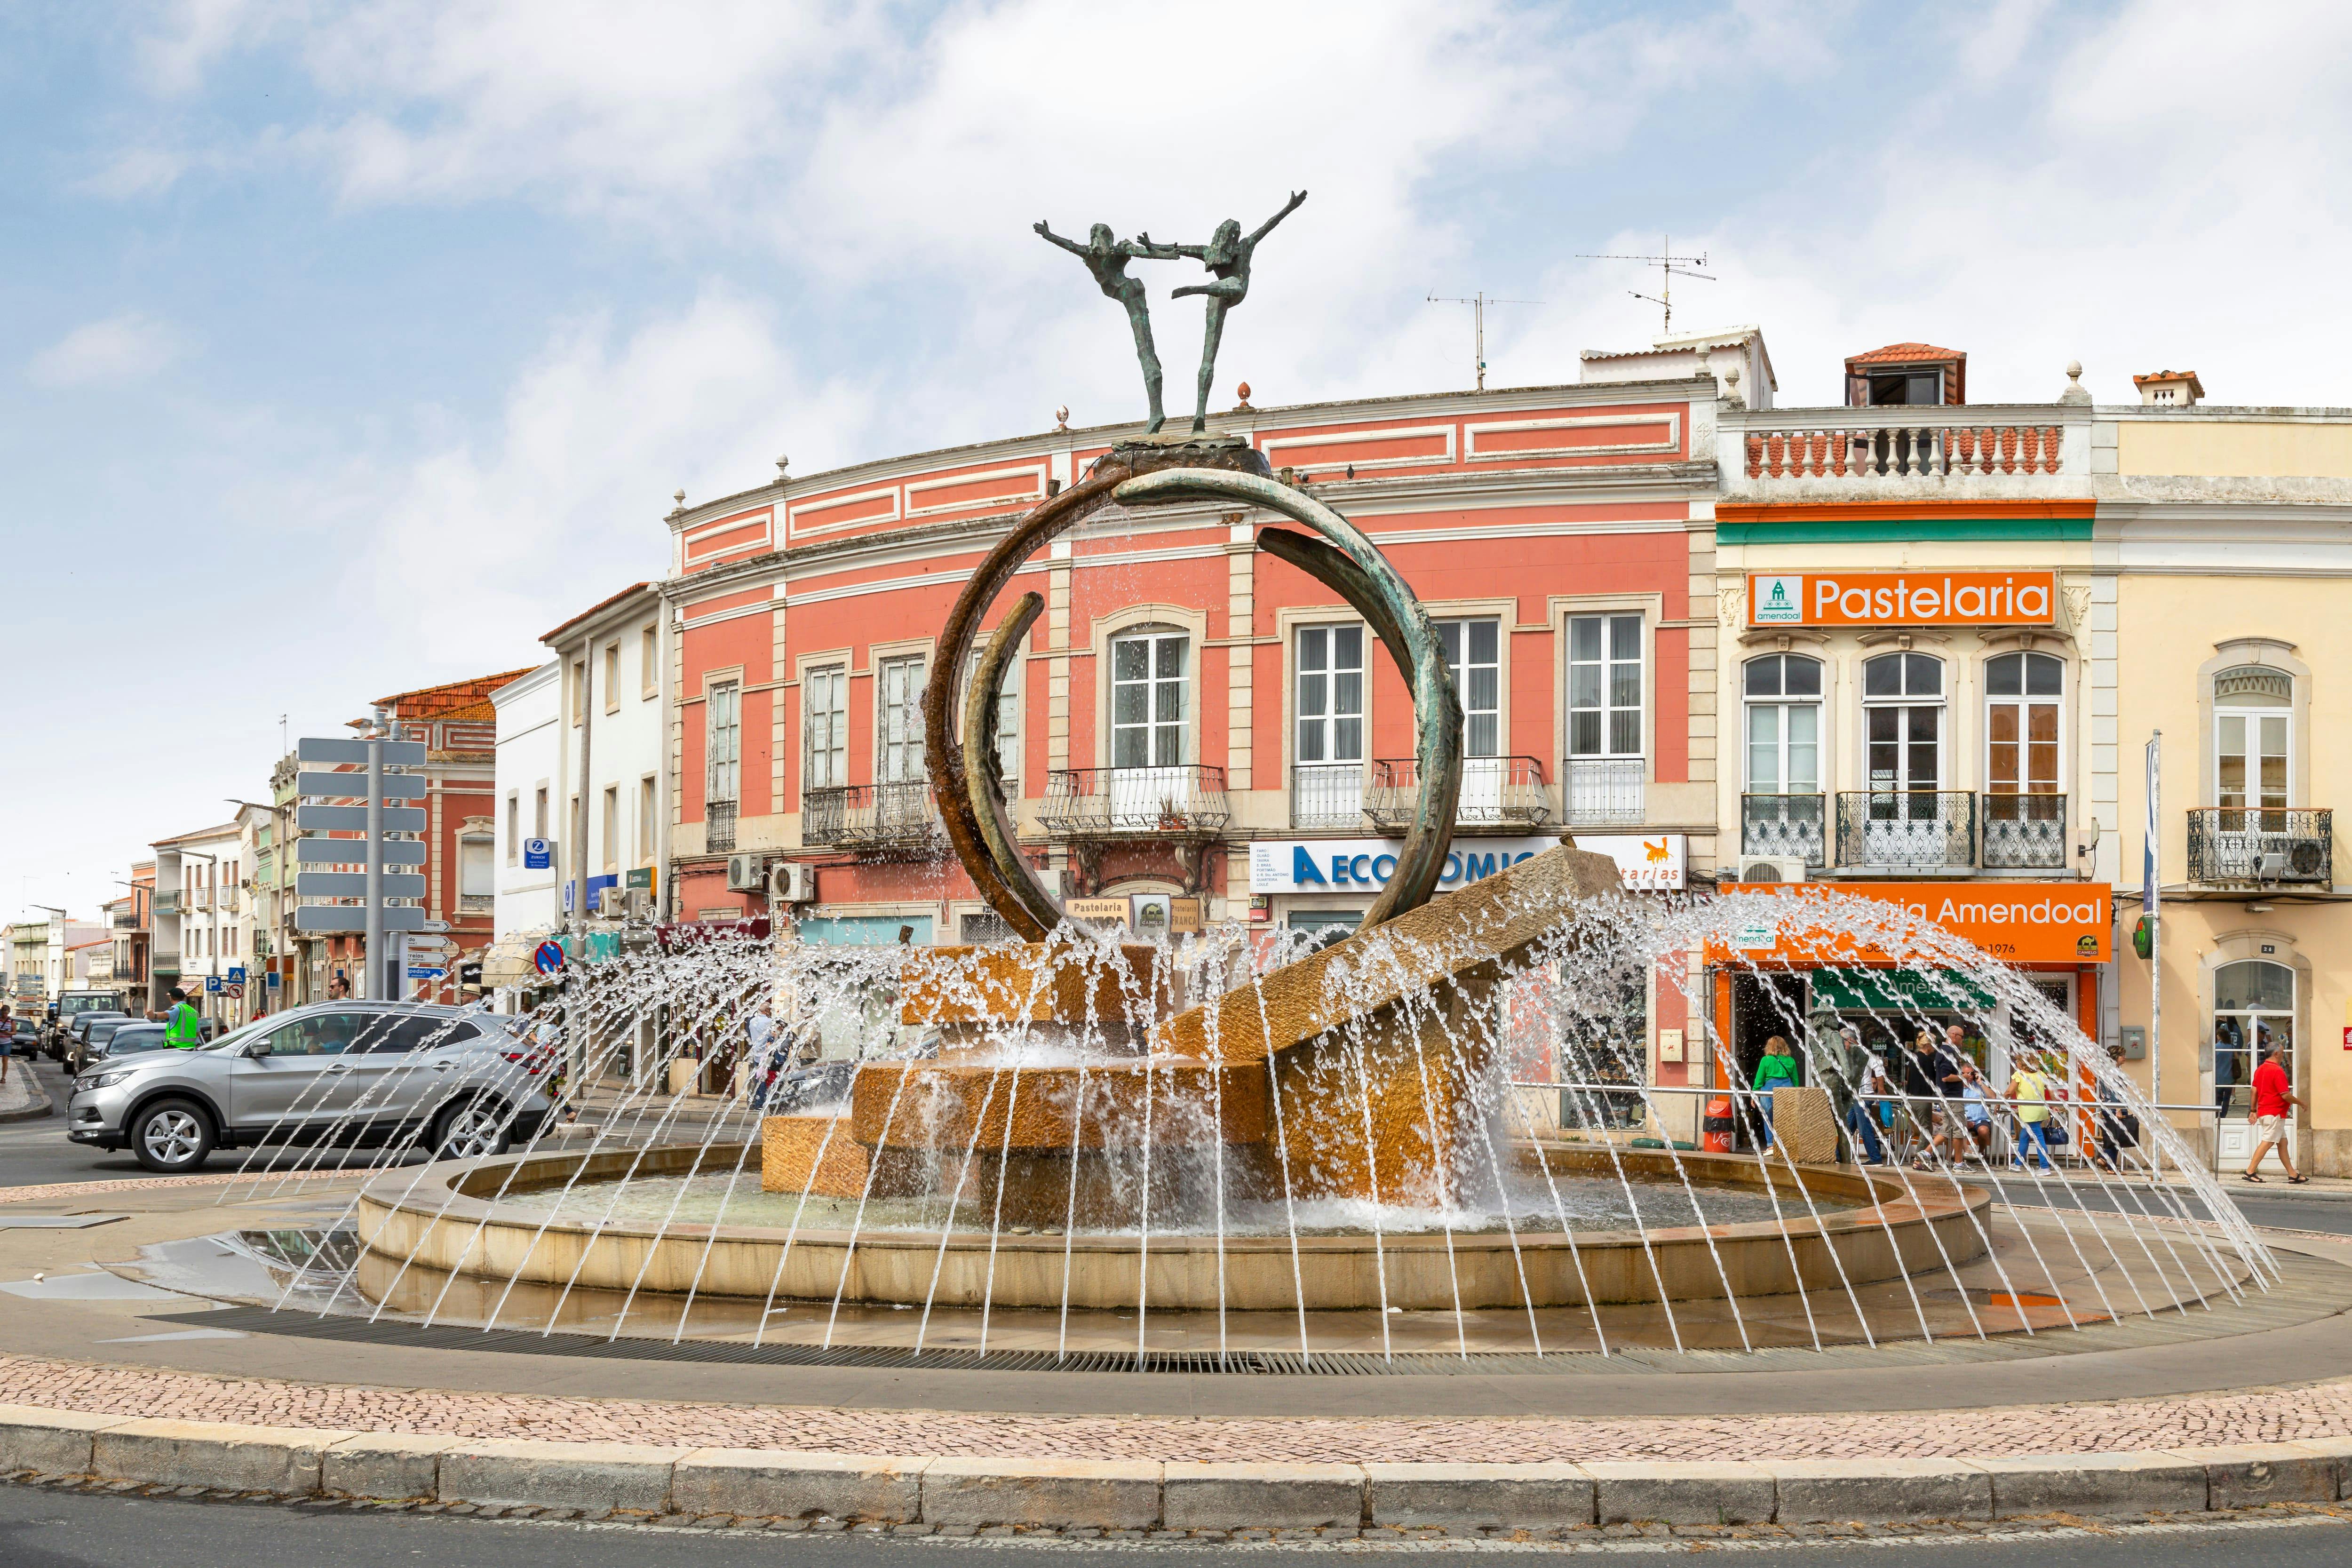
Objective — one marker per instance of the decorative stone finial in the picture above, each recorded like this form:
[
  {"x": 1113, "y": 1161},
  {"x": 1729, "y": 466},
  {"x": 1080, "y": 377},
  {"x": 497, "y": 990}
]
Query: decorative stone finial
[
  {"x": 2075, "y": 391},
  {"x": 1731, "y": 388},
  {"x": 678, "y": 497},
  {"x": 1062, "y": 417},
  {"x": 782, "y": 463},
  {"x": 1244, "y": 390}
]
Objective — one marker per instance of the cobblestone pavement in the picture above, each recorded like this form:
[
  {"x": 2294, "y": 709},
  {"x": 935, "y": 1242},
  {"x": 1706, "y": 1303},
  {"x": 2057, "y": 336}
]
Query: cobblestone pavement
[
  {"x": 2262, "y": 1415},
  {"x": 2232, "y": 1533}
]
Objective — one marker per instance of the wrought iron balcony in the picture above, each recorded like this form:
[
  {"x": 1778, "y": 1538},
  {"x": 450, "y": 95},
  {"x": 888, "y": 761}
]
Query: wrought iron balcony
[
  {"x": 126, "y": 919},
  {"x": 1183, "y": 800},
  {"x": 1604, "y": 792},
  {"x": 1327, "y": 794},
  {"x": 1793, "y": 825},
  {"x": 1497, "y": 793},
  {"x": 897, "y": 819},
  {"x": 2260, "y": 844},
  {"x": 1907, "y": 829},
  {"x": 2024, "y": 832}
]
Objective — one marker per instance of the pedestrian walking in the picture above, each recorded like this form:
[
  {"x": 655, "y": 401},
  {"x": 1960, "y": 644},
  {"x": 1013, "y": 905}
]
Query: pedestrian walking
[
  {"x": 1776, "y": 1069},
  {"x": 2118, "y": 1128},
  {"x": 7, "y": 1040},
  {"x": 2273, "y": 1098},
  {"x": 1867, "y": 1076},
  {"x": 2030, "y": 1087},
  {"x": 766, "y": 1044}
]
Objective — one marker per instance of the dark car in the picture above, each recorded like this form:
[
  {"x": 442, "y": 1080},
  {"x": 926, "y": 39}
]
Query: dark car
[
  {"x": 71, "y": 1038},
  {"x": 90, "y": 1034},
  {"x": 24, "y": 1036},
  {"x": 819, "y": 1083},
  {"x": 126, "y": 1038}
]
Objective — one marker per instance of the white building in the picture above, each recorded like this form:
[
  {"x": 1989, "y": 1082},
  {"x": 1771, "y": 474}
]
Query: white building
[
  {"x": 204, "y": 915},
  {"x": 580, "y": 750}
]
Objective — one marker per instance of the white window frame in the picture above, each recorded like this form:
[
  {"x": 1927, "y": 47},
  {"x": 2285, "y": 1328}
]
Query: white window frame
[
  {"x": 1942, "y": 703},
  {"x": 1500, "y": 746},
  {"x": 1008, "y": 719},
  {"x": 1608, "y": 710},
  {"x": 2285, "y": 714},
  {"x": 723, "y": 755},
  {"x": 1153, "y": 637},
  {"x": 1818, "y": 702},
  {"x": 898, "y": 685},
  {"x": 824, "y": 726},
  {"x": 2022, "y": 702},
  {"x": 1326, "y": 726}
]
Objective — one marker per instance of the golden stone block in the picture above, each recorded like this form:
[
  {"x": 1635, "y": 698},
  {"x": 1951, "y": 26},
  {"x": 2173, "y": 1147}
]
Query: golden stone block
[
  {"x": 1039, "y": 982},
  {"x": 790, "y": 1145}
]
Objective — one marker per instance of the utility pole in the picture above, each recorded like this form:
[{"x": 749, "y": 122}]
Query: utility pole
[
  {"x": 1478, "y": 303},
  {"x": 372, "y": 938},
  {"x": 1670, "y": 266}
]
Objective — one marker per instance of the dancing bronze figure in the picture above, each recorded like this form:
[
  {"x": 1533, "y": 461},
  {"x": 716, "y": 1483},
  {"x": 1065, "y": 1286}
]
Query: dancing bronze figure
[
  {"x": 1106, "y": 258},
  {"x": 1228, "y": 255}
]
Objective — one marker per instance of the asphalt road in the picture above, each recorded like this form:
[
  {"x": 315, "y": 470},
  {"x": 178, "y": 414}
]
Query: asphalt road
[{"x": 41, "y": 1528}]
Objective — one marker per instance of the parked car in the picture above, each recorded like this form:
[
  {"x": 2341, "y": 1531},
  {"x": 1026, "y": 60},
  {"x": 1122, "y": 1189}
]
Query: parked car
[
  {"x": 89, "y": 1034},
  {"x": 69, "y": 1050},
  {"x": 819, "y": 1083},
  {"x": 24, "y": 1036},
  {"x": 69, "y": 1004},
  {"x": 359, "y": 1073}
]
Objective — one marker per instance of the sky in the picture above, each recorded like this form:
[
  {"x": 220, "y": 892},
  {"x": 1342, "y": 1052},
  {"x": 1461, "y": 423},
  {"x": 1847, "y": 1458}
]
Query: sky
[{"x": 346, "y": 348}]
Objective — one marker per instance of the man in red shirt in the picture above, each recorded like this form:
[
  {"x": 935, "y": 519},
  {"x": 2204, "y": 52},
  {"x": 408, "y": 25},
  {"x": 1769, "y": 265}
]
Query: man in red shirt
[{"x": 2273, "y": 1100}]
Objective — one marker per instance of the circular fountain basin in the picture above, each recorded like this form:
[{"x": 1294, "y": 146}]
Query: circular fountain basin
[{"x": 491, "y": 1219}]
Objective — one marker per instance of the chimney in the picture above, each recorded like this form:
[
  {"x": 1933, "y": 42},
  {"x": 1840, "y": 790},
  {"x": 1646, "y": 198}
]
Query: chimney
[{"x": 2169, "y": 389}]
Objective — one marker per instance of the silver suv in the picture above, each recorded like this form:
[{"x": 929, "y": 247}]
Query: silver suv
[{"x": 461, "y": 1081}]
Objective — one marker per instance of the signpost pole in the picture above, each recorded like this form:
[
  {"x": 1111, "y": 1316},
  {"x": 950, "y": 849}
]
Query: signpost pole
[
  {"x": 2151, "y": 904},
  {"x": 373, "y": 971}
]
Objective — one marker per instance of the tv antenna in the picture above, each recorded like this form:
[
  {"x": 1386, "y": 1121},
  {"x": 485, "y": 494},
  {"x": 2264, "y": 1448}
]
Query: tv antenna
[
  {"x": 1478, "y": 303},
  {"x": 1670, "y": 266}
]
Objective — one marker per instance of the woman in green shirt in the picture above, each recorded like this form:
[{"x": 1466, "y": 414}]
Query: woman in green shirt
[{"x": 1778, "y": 1068}]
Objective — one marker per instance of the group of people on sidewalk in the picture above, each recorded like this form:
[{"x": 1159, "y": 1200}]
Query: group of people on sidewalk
[{"x": 1936, "y": 1098}]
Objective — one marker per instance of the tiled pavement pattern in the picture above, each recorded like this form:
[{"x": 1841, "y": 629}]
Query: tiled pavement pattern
[
  {"x": 1646, "y": 1538},
  {"x": 2265, "y": 1416},
  {"x": 66, "y": 1191}
]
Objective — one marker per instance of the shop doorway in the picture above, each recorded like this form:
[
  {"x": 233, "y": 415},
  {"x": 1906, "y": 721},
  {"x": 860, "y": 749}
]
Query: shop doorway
[
  {"x": 2253, "y": 1010},
  {"x": 1763, "y": 1006}
]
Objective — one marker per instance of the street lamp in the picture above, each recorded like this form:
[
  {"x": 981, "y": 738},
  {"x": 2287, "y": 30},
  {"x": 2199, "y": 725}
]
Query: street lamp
[{"x": 63, "y": 958}]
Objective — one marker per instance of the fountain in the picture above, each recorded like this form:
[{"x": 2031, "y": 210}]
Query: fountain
[{"x": 1418, "y": 1139}]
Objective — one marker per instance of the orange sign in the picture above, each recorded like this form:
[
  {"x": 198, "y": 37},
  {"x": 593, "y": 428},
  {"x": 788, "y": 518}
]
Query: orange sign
[
  {"x": 2017, "y": 923},
  {"x": 1902, "y": 598}
]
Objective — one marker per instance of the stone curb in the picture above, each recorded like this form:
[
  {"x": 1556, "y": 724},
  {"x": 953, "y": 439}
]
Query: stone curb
[
  {"x": 46, "y": 1104},
  {"x": 962, "y": 1494}
]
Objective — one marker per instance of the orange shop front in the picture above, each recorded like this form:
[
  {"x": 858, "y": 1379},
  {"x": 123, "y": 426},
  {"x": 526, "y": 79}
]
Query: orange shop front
[{"x": 2059, "y": 933}]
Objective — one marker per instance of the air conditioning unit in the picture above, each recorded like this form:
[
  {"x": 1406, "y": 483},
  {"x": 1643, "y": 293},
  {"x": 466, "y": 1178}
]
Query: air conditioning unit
[
  {"x": 611, "y": 902},
  {"x": 746, "y": 874},
  {"x": 641, "y": 904},
  {"x": 791, "y": 882},
  {"x": 1771, "y": 868}
]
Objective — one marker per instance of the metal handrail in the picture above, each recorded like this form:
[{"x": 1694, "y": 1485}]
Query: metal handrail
[{"x": 1175, "y": 800}]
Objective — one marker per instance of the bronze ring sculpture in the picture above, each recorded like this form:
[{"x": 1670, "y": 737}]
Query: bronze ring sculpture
[{"x": 964, "y": 773}]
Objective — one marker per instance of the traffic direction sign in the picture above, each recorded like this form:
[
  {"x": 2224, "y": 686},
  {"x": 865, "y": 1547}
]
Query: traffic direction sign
[
  {"x": 354, "y": 818},
  {"x": 333, "y": 751},
  {"x": 353, "y": 851},
  {"x": 354, "y": 786},
  {"x": 315, "y": 918},
  {"x": 353, "y": 885},
  {"x": 419, "y": 971}
]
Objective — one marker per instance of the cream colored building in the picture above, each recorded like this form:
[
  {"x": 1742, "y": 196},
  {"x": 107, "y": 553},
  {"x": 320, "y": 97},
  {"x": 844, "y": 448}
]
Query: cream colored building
[{"x": 2225, "y": 535}]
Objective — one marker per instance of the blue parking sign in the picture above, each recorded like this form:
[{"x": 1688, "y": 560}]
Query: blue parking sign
[{"x": 212, "y": 983}]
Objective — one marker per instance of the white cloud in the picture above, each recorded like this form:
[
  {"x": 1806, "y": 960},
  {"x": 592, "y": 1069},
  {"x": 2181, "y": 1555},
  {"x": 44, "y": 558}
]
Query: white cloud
[
  {"x": 119, "y": 350},
  {"x": 474, "y": 548}
]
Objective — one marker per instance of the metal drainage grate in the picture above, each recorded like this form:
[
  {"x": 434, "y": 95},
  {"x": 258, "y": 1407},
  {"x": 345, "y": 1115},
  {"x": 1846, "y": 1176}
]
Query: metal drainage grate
[{"x": 525, "y": 1341}]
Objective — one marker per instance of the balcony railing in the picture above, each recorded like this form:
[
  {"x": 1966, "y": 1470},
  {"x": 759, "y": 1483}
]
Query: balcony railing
[
  {"x": 1603, "y": 792},
  {"x": 125, "y": 920},
  {"x": 1176, "y": 801},
  {"x": 1917, "y": 830},
  {"x": 1867, "y": 444},
  {"x": 2024, "y": 832},
  {"x": 890, "y": 818},
  {"x": 719, "y": 825},
  {"x": 1497, "y": 793},
  {"x": 1326, "y": 794},
  {"x": 166, "y": 904},
  {"x": 1793, "y": 825},
  {"x": 2260, "y": 844}
]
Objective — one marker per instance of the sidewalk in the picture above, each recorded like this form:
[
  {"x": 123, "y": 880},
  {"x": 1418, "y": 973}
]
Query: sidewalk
[{"x": 22, "y": 1098}]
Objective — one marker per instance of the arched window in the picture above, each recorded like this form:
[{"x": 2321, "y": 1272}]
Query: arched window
[
  {"x": 2252, "y": 706},
  {"x": 1903, "y": 715},
  {"x": 1781, "y": 811},
  {"x": 2024, "y": 812},
  {"x": 2253, "y": 1008}
]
